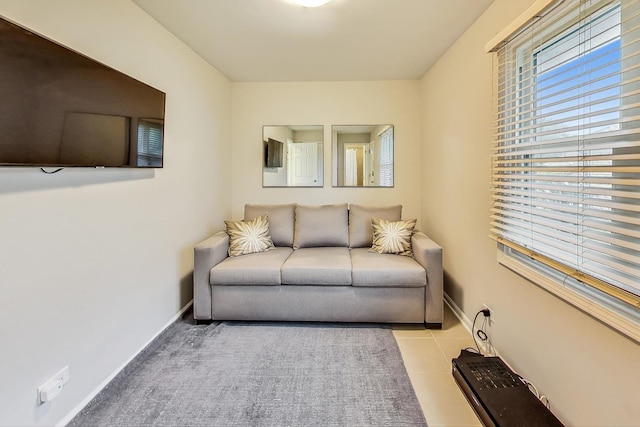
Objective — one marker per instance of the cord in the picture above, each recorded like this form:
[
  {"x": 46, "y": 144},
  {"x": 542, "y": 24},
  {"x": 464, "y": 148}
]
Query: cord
[
  {"x": 480, "y": 333},
  {"x": 473, "y": 328},
  {"x": 544, "y": 399},
  {"x": 52, "y": 172},
  {"x": 531, "y": 386}
]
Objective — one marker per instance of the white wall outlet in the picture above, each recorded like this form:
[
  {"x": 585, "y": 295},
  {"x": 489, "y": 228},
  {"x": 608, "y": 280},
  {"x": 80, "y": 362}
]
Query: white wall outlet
[
  {"x": 492, "y": 317},
  {"x": 49, "y": 390}
]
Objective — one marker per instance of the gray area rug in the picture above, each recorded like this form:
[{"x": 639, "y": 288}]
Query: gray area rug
[{"x": 261, "y": 374}]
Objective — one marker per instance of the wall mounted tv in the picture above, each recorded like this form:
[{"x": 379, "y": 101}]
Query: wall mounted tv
[
  {"x": 273, "y": 153},
  {"x": 59, "y": 108}
]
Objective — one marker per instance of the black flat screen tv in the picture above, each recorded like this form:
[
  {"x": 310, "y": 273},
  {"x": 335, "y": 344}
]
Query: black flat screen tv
[
  {"x": 273, "y": 153},
  {"x": 60, "y": 108}
]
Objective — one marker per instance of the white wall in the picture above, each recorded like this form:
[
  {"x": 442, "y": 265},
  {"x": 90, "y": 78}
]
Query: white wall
[
  {"x": 95, "y": 262},
  {"x": 589, "y": 371},
  {"x": 326, "y": 103}
]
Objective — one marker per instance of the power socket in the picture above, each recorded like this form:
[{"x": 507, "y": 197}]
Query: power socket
[
  {"x": 492, "y": 316},
  {"x": 49, "y": 390}
]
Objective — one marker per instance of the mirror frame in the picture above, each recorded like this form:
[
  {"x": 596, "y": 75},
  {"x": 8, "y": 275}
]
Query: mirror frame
[{"x": 338, "y": 169}]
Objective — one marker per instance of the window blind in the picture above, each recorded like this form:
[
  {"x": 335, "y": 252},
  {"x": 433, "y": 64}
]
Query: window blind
[
  {"x": 385, "y": 175},
  {"x": 149, "y": 142},
  {"x": 566, "y": 152}
]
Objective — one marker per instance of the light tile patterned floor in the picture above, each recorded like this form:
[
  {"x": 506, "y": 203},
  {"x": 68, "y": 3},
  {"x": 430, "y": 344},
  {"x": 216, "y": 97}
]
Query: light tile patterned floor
[{"x": 427, "y": 356}]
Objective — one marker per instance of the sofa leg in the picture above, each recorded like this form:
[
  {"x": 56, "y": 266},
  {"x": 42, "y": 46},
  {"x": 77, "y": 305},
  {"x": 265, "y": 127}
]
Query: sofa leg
[
  {"x": 204, "y": 321},
  {"x": 433, "y": 325}
]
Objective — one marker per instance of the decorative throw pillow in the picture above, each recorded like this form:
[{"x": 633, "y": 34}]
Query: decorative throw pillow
[
  {"x": 248, "y": 237},
  {"x": 392, "y": 237}
]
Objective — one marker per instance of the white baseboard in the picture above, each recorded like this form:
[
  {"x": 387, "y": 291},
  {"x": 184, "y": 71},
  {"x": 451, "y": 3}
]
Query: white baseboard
[
  {"x": 75, "y": 411},
  {"x": 458, "y": 313}
]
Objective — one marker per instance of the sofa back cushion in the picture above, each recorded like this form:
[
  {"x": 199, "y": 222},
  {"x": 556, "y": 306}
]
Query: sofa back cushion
[
  {"x": 280, "y": 221},
  {"x": 321, "y": 226},
  {"x": 360, "y": 234}
]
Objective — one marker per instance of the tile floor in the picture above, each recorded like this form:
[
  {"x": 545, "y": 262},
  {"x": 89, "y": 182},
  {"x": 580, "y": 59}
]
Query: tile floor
[{"x": 427, "y": 356}]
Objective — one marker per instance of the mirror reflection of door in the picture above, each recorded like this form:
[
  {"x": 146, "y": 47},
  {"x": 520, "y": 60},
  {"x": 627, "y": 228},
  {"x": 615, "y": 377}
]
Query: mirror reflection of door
[
  {"x": 299, "y": 163},
  {"x": 362, "y": 155},
  {"x": 304, "y": 164}
]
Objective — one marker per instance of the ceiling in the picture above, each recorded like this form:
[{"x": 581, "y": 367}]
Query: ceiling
[{"x": 275, "y": 40}]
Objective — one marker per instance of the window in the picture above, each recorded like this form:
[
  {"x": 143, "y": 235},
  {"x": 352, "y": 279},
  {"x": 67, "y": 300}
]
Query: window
[
  {"x": 149, "y": 142},
  {"x": 566, "y": 156},
  {"x": 385, "y": 174}
]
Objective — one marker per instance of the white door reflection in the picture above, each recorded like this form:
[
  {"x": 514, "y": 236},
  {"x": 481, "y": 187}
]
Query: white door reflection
[{"x": 293, "y": 156}]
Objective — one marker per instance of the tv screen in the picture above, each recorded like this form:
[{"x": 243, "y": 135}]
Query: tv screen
[
  {"x": 60, "y": 108},
  {"x": 274, "y": 153}
]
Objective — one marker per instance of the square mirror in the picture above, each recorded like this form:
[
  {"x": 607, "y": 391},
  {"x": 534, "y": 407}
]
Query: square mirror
[
  {"x": 292, "y": 156},
  {"x": 362, "y": 155}
]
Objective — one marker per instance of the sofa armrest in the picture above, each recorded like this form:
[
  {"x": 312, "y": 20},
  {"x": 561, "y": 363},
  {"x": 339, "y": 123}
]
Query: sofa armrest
[
  {"x": 429, "y": 254},
  {"x": 206, "y": 255}
]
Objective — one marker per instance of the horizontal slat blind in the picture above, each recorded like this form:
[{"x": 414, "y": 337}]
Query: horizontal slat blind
[
  {"x": 566, "y": 152},
  {"x": 150, "y": 142},
  {"x": 385, "y": 174}
]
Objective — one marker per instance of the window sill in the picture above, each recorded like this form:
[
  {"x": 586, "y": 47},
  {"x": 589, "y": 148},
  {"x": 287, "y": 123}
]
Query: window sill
[{"x": 624, "y": 319}]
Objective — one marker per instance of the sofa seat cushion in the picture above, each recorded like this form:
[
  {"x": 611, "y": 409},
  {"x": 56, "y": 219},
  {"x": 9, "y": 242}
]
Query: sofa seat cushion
[
  {"x": 253, "y": 269},
  {"x": 388, "y": 270},
  {"x": 318, "y": 266}
]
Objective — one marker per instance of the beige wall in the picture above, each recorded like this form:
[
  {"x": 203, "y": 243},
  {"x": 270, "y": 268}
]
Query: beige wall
[
  {"x": 95, "y": 262},
  {"x": 325, "y": 103},
  {"x": 589, "y": 372}
]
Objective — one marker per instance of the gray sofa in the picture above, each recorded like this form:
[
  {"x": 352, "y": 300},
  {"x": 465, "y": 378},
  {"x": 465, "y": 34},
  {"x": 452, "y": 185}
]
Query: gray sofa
[{"x": 321, "y": 269}]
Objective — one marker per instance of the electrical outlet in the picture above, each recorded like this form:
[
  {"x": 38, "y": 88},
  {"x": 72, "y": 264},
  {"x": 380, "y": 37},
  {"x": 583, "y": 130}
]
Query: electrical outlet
[
  {"x": 492, "y": 317},
  {"x": 49, "y": 390}
]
